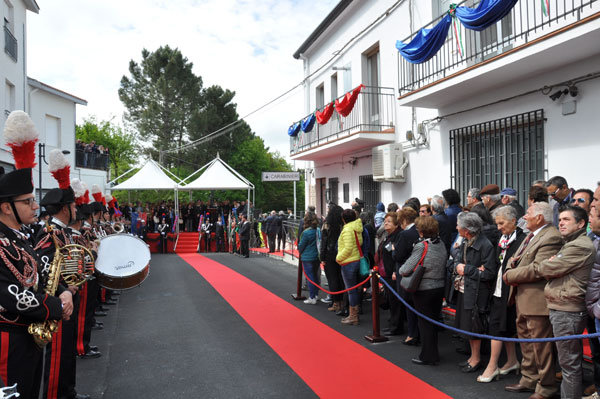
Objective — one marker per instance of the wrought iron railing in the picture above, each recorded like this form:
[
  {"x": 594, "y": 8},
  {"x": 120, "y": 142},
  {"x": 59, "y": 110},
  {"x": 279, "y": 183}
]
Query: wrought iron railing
[
  {"x": 526, "y": 22},
  {"x": 92, "y": 160},
  {"x": 10, "y": 43},
  {"x": 373, "y": 112}
]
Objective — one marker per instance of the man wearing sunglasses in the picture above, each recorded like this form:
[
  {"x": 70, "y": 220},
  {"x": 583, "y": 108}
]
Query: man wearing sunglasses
[
  {"x": 558, "y": 189},
  {"x": 583, "y": 199},
  {"x": 22, "y": 297}
]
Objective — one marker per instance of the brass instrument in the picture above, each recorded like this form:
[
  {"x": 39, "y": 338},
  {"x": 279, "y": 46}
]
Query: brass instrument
[
  {"x": 42, "y": 331},
  {"x": 75, "y": 264},
  {"x": 118, "y": 227}
]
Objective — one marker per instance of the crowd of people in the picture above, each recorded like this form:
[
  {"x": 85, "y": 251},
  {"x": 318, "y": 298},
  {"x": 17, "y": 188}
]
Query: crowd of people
[
  {"x": 506, "y": 270},
  {"x": 90, "y": 155}
]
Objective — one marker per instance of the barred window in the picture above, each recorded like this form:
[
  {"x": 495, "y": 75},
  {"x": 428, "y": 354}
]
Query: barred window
[
  {"x": 370, "y": 192},
  {"x": 508, "y": 152}
]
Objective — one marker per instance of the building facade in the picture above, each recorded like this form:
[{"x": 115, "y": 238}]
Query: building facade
[
  {"x": 507, "y": 105},
  {"x": 52, "y": 110}
]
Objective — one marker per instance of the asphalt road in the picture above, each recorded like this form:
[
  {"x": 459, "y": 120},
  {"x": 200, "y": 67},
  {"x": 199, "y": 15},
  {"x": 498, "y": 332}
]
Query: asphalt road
[{"x": 176, "y": 337}]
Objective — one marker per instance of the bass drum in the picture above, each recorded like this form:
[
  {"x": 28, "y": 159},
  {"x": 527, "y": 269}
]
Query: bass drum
[{"x": 123, "y": 262}]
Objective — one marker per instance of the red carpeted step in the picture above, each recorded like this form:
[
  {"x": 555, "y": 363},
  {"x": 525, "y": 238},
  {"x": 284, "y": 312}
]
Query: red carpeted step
[{"x": 284, "y": 327}]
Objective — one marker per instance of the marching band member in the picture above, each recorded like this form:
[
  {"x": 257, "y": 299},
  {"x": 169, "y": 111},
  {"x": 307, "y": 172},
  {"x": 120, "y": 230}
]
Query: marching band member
[
  {"x": 60, "y": 355},
  {"x": 22, "y": 297},
  {"x": 88, "y": 291}
]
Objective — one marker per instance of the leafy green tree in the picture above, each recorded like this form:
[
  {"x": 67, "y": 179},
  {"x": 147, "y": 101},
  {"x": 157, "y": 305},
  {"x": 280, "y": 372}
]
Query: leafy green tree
[
  {"x": 162, "y": 97},
  {"x": 251, "y": 159},
  {"x": 122, "y": 146}
]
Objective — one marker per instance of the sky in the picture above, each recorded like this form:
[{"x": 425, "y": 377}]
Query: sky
[{"x": 84, "y": 48}]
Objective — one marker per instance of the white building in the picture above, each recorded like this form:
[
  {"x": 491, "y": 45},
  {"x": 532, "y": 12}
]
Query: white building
[
  {"x": 480, "y": 115},
  {"x": 52, "y": 110}
]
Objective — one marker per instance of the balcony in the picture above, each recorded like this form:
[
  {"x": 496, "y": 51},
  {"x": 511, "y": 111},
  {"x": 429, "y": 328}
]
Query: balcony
[
  {"x": 525, "y": 43},
  {"x": 370, "y": 123},
  {"x": 10, "y": 43},
  {"x": 91, "y": 160}
]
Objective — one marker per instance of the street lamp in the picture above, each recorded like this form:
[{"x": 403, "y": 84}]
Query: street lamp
[{"x": 42, "y": 157}]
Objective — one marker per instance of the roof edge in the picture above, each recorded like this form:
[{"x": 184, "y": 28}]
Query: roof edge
[
  {"x": 32, "y": 6},
  {"x": 52, "y": 90},
  {"x": 329, "y": 19}
]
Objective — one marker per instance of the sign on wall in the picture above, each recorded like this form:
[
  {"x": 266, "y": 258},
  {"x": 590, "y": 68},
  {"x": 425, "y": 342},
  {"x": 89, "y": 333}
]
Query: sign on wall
[{"x": 280, "y": 176}]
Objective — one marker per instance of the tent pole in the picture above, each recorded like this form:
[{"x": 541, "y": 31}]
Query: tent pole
[
  {"x": 294, "y": 199},
  {"x": 249, "y": 211}
]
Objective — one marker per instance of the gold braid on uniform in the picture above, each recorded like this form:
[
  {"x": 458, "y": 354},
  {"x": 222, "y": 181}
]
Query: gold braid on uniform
[{"x": 29, "y": 277}]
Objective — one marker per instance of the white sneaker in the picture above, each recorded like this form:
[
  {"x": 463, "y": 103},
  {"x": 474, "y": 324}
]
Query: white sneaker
[
  {"x": 592, "y": 396},
  {"x": 311, "y": 301}
]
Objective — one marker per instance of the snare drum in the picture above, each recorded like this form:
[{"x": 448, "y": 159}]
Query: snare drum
[{"x": 123, "y": 262}]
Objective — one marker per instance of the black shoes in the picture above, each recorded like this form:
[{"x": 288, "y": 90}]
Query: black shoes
[
  {"x": 93, "y": 348},
  {"x": 91, "y": 354},
  {"x": 423, "y": 362},
  {"x": 82, "y": 396},
  {"x": 98, "y": 326},
  {"x": 390, "y": 333},
  {"x": 471, "y": 369},
  {"x": 412, "y": 342},
  {"x": 100, "y": 313},
  {"x": 110, "y": 302}
]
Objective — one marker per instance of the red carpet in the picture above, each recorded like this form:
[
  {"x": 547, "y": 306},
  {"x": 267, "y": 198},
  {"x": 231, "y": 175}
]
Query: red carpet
[{"x": 332, "y": 365}]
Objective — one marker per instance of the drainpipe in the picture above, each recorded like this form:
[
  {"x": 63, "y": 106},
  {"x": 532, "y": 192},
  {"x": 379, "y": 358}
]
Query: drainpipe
[{"x": 307, "y": 178}]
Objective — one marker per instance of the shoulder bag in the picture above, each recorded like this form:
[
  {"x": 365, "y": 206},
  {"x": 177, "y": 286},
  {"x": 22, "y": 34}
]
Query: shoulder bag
[
  {"x": 364, "y": 267},
  {"x": 411, "y": 282}
]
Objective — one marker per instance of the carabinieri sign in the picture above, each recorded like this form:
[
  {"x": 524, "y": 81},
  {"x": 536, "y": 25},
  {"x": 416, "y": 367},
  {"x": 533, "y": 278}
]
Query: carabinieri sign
[{"x": 280, "y": 176}]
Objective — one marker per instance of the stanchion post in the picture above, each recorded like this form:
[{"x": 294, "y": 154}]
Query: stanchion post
[
  {"x": 375, "y": 337},
  {"x": 298, "y": 295}
]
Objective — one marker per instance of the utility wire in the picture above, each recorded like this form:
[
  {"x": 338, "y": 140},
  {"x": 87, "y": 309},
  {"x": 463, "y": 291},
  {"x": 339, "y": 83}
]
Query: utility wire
[{"x": 336, "y": 53}]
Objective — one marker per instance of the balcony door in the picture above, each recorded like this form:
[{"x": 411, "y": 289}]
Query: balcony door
[{"x": 370, "y": 94}]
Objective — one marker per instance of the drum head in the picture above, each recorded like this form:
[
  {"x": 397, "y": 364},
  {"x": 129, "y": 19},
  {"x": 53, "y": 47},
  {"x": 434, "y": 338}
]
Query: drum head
[{"x": 123, "y": 260}]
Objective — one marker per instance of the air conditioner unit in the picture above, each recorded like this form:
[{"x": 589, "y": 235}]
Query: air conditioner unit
[{"x": 389, "y": 163}]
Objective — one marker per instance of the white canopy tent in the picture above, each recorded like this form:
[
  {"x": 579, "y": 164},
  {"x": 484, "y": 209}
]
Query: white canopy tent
[
  {"x": 218, "y": 175},
  {"x": 151, "y": 176}
]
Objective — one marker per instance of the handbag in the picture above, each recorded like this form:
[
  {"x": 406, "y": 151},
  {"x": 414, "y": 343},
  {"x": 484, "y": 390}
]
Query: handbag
[
  {"x": 364, "y": 266},
  {"x": 479, "y": 320},
  {"x": 411, "y": 282}
]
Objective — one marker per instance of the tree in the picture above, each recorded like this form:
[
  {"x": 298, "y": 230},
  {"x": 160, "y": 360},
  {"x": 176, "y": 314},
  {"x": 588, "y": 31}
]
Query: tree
[
  {"x": 219, "y": 111},
  {"x": 162, "y": 97},
  {"x": 251, "y": 159},
  {"x": 122, "y": 146}
]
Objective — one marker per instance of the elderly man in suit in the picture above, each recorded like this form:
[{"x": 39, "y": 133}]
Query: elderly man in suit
[{"x": 533, "y": 320}]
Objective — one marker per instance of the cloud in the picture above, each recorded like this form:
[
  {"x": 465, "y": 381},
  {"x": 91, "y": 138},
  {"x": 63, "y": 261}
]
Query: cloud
[{"x": 246, "y": 46}]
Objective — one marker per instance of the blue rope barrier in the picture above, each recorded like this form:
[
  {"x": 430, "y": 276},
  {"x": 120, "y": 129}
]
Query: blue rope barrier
[{"x": 485, "y": 336}]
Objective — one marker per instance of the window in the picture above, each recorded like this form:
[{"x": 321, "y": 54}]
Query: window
[
  {"x": 334, "y": 86},
  {"x": 52, "y": 131},
  {"x": 333, "y": 189},
  {"x": 346, "y": 193},
  {"x": 320, "y": 96},
  {"x": 371, "y": 78},
  {"x": 508, "y": 152},
  {"x": 370, "y": 192},
  {"x": 9, "y": 97},
  {"x": 347, "y": 77}
]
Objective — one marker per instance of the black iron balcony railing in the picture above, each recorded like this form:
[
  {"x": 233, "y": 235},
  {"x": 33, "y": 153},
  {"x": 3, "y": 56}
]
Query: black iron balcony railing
[
  {"x": 373, "y": 112},
  {"x": 526, "y": 22},
  {"x": 92, "y": 160},
  {"x": 10, "y": 43}
]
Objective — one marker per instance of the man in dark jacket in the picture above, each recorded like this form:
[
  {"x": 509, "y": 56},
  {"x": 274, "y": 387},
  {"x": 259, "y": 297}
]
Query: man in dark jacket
[
  {"x": 508, "y": 196},
  {"x": 401, "y": 252},
  {"x": 244, "y": 230},
  {"x": 437, "y": 207},
  {"x": 272, "y": 230},
  {"x": 281, "y": 231}
]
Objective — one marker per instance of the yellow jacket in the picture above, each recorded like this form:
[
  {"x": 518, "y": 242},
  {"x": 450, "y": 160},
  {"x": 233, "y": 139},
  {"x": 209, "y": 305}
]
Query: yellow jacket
[{"x": 347, "y": 249}]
